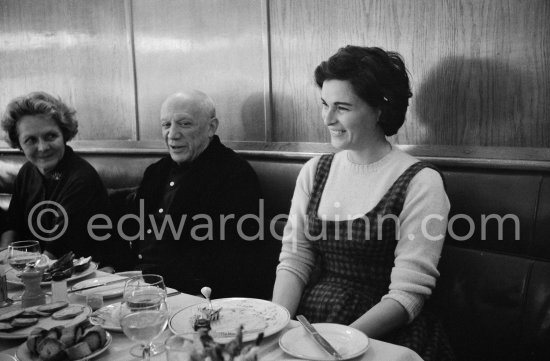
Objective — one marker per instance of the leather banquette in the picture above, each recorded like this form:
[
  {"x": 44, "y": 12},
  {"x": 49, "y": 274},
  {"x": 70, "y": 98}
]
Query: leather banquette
[{"x": 494, "y": 291}]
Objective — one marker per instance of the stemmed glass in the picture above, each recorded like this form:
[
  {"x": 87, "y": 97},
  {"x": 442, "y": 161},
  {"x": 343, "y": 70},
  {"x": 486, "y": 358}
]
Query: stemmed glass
[
  {"x": 144, "y": 313},
  {"x": 21, "y": 253}
]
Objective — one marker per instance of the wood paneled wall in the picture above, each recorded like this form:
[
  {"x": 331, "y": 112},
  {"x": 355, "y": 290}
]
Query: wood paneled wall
[
  {"x": 77, "y": 50},
  {"x": 212, "y": 45},
  {"x": 480, "y": 69}
]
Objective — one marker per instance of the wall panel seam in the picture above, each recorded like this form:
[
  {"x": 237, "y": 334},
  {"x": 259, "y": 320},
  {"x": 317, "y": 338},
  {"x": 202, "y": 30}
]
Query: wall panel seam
[
  {"x": 267, "y": 72},
  {"x": 131, "y": 43}
]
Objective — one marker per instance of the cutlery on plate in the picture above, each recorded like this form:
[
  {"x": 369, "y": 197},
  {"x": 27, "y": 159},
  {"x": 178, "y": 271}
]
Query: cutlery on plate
[
  {"x": 225, "y": 333},
  {"x": 97, "y": 285},
  {"x": 318, "y": 338}
]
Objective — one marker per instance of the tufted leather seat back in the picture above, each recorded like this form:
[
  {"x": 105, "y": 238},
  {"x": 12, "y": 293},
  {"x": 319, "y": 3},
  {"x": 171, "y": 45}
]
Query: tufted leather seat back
[{"x": 494, "y": 210}]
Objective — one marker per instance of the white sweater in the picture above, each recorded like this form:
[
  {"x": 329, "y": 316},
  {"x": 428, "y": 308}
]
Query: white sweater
[{"x": 354, "y": 189}]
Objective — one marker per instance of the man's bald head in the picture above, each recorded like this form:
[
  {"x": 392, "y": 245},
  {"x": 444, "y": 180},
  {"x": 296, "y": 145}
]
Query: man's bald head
[
  {"x": 193, "y": 98},
  {"x": 188, "y": 120}
]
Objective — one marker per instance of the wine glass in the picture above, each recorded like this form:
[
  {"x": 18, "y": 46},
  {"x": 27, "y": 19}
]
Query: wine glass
[
  {"x": 144, "y": 313},
  {"x": 21, "y": 253}
]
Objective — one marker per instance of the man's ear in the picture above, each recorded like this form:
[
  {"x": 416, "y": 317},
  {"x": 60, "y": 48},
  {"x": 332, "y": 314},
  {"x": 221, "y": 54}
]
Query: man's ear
[{"x": 212, "y": 126}]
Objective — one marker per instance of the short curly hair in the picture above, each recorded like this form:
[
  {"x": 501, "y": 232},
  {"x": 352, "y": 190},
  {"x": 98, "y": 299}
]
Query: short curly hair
[
  {"x": 377, "y": 76},
  {"x": 39, "y": 103}
]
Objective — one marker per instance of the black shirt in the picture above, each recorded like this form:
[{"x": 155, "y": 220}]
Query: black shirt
[{"x": 217, "y": 183}]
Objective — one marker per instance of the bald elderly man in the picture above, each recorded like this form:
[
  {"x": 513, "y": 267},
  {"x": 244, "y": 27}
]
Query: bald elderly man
[{"x": 203, "y": 188}]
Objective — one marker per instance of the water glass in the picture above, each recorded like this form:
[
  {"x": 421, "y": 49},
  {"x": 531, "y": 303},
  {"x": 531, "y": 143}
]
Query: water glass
[
  {"x": 22, "y": 252},
  {"x": 144, "y": 313},
  {"x": 19, "y": 254}
]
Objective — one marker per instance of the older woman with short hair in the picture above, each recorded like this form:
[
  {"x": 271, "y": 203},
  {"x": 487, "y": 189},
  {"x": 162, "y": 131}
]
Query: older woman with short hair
[{"x": 56, "y": 191}]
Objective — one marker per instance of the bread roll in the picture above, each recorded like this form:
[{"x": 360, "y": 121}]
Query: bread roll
[
  {"x": 95, "y": 337},
  {"x": 78, "y": 351},
  {"x": 51, "y": 349}
]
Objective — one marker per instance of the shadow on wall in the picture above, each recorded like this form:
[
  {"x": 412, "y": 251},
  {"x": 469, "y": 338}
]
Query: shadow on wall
[{"x": 478, "y": 102}]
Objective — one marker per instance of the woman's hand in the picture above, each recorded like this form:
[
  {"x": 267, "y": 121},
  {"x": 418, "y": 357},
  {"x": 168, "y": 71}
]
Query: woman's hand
[{"x": 382, "y": 318}]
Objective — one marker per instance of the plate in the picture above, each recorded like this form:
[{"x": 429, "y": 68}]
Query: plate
[
  {"x": 254, "y": 314},
  {"x": 107, "y": 317},
  {"x": 11, "y": 275},
  {"x": 23, "y": 353},
  {"x": 348, "y": 341},
  {"x": 47, "y": 323},
  {"x": 108, "y": 291}
]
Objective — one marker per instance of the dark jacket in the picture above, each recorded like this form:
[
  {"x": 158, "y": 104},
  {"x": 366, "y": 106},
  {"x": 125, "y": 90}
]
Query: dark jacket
[
  {"x": 74, "y": 185},
  {"x": 218, "y": 183}
]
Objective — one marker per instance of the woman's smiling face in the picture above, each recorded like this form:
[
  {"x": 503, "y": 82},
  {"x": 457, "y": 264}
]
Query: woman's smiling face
[
  {"x": 41, "y": 140},
  {"x": 351, "y": 121}
]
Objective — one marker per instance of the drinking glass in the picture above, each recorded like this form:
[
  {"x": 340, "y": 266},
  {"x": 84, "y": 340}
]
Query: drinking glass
[
  {"x": 144, "y": 313},
  {"x": 19, "y": 254}
]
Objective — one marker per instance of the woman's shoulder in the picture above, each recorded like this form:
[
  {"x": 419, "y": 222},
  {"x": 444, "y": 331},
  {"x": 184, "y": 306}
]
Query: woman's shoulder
[
  {"x": 426, "y": 172},
  {"x": 81, "y": 172},
  {"x": 429, "y": 177},
  {"x": 399, "y": 155},
  {"x": 28, "y": 173},
  {"x": 307, "y": 173},
  {"x": 26, "y": 168},
  {"x": 310, "y": 167},
  {"x": 81, "y": 166}
]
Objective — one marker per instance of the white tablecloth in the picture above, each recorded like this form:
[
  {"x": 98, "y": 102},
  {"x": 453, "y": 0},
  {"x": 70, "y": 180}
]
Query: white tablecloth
[{"x": 269, "y": 351}]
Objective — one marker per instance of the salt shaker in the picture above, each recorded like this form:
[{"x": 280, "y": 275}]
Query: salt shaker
[
  {"x": 59, "y": 287},
  {"x": 33, "y": 294}
]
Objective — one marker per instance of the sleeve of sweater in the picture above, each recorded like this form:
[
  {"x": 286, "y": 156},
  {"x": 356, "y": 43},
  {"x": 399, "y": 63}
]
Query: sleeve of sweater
[
  {"x": 296, "y": 253},
  {"x": 423, "y": 224}
]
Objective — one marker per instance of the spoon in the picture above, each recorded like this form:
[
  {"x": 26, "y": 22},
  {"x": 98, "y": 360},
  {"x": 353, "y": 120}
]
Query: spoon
[{"x": 207, "y": 292}]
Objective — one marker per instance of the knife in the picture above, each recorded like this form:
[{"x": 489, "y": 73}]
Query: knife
[
  {"x": 98, "y": 285},
  {"x": 318, "y": 338}
]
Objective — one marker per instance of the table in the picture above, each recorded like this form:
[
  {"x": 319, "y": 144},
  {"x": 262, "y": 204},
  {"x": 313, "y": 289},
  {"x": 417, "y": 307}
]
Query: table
[{"x": 269, "y": 350}]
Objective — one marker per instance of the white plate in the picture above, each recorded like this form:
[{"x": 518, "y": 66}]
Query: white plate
[
  {"x": 47, "y": 323},
  {"x": 108, "y": 291},
  {"x": 11, "y": 275},
  {"x": 23, "y": 353},
  {"x": 107, "y": 317},
  {"x": 254, "y": 315},
  {"x": 348, "y": 341}
]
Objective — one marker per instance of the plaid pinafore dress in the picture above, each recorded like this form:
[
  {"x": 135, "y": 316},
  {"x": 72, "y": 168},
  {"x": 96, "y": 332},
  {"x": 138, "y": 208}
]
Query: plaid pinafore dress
[{"x": 354, "y": 260}]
